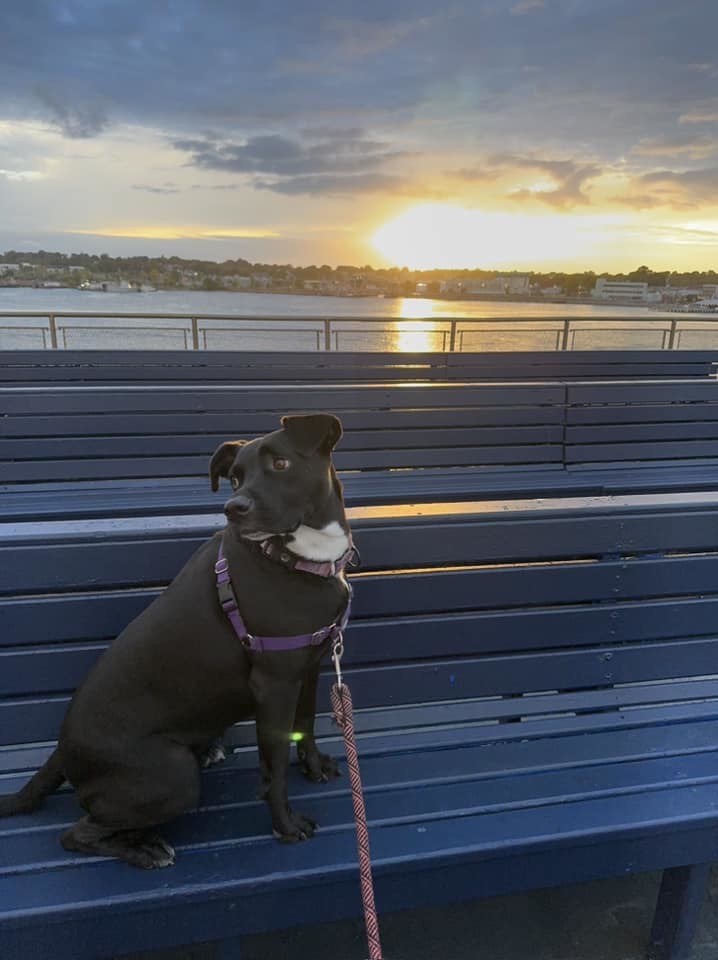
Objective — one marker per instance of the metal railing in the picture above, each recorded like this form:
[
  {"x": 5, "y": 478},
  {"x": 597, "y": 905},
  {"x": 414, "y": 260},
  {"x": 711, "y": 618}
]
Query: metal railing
[{"x": 201, "y": 331}]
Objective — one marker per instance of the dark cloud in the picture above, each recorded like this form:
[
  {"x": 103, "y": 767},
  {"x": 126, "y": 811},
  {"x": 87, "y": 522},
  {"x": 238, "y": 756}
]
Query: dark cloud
[
  {"x": 602, "y": 71},
  {"x": 569, "y": 177},
  {"x": 678, "y": 189},
  {"x": 317, "y": 96},
  {"x": 280, "y": 155},
  {"x": 332, "y": 184},
  {"x": 78, "y": 121},
  {"x": 325, "y": 161},
  {"x": 695, "y": 186}
]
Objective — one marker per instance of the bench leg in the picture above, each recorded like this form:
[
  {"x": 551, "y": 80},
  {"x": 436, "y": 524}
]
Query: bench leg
[{"x": 680, "y": 898}]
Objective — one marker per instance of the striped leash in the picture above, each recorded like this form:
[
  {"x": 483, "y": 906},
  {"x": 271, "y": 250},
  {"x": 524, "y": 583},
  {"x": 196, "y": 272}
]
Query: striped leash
[{"x": 343, "y": 714}]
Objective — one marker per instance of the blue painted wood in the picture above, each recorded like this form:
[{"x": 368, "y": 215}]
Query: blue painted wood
[
  {"x": 537, "y": 702},
  {"x": 33, "y": 400},
  {"x": 681, "y": 896},
  {"x": 155, "y": 366},
  {"x": 250, "y": 423},
  {"x": 165, "y": 433},
  {"x": 186, "y": 496},
  {"x": 626, "y": 391}
]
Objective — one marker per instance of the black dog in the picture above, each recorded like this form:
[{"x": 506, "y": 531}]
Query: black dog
[{"x": 137, "y": 729}]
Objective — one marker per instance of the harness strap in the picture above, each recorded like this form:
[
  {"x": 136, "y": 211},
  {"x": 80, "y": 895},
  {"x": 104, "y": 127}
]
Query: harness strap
[{"x": 228, "y": 602}]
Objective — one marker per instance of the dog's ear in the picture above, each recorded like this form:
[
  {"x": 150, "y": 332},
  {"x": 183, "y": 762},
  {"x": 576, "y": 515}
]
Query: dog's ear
[
  {"x": 222, "y": 460},
  {"x": 315, "y": 433}
]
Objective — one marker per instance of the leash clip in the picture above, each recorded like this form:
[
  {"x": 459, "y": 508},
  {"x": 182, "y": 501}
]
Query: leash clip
[{"x": 337, "y": 654}]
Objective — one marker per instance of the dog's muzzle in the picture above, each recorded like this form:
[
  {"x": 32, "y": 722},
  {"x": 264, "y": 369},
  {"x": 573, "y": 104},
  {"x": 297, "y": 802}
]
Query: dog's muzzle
[{"x": 238, "y": 508}]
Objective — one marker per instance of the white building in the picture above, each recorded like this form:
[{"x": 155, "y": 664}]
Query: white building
[
  {"x": 620, "y": 290},
  {"x": 511, "y": 284},
  {"x": 9, "y": 267}
]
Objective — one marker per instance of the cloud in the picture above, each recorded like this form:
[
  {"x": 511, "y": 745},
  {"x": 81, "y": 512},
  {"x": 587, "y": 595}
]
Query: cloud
[
  {"x": 694, "y": 148},
  {"x": 165, "y": 188},
  {"x": 700, "y": 184},
  {"x": 563, "y": 188},
  {"x": 332, "y": 184},
  {"x": 76, "y": 121},
  {"x": 21, "y": 176},
  {"x": 705, "y": 114},
  {"x": 283, "y": 156},
  {"x": 324, "y": 161},
  {"x": 475, "y": 174},
  {"x": 677, "y": 189}
]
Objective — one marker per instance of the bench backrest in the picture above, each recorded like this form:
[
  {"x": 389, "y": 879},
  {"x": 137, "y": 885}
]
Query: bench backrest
[
  {"x": 68, "y": 367},
  {"x": 586, "y": 614},
  {"x": 81, "y": 433},
  {"x": 92, "y": 433},
  {"x": 623, "y": 423}
]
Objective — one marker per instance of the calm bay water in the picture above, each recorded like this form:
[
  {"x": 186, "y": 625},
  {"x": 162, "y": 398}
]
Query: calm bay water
[{"x": 425, "y": 323}]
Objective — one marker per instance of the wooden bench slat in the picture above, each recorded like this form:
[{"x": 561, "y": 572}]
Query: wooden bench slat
[{"x": 29, "y": 719}]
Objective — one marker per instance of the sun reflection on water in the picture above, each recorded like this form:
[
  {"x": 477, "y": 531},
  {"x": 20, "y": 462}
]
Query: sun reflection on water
[{"x": 421, "y": 335}]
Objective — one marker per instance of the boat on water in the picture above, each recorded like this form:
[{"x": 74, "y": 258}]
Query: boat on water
[
  {"x": 710, "y": 305},
  {"x": 116, "y": 286}
]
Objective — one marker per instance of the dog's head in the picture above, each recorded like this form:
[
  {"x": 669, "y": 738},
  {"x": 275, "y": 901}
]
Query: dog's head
[{"x": 282, "y": 480}]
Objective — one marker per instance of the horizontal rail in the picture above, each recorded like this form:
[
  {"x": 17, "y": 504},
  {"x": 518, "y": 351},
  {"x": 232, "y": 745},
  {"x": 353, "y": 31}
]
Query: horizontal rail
[{"x": 194, "y": 331}]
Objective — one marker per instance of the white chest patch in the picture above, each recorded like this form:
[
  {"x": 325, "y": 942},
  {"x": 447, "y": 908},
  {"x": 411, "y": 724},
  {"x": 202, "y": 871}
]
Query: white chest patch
[{"x": 329, "y": 543}]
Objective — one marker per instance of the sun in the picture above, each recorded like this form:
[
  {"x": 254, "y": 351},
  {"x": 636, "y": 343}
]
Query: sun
[
  {"x": 426, "y": 236},
  {"x": 446, "y": 236}
]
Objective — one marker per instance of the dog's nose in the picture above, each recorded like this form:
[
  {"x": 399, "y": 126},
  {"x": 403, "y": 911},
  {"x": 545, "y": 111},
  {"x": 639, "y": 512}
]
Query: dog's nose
[{"x": 238, "y": 507}]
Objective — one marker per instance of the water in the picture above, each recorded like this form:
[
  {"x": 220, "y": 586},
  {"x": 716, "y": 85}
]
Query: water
[{"x": 425, "y": 326}]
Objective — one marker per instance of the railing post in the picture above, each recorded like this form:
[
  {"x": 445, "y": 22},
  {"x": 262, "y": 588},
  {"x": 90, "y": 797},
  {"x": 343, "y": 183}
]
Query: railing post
[
  {"x": 452, "y": 335},
  {"x": 672, "y": 335},
  {"x": 327, "y": 333},
  {"x": 53, "y": 331},
  {"x": 195, "y": 334},
  {"x": 564, "y": 337}
]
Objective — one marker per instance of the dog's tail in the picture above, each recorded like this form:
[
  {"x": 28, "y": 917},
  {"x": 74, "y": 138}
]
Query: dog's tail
[{"x": 47, "y": 779}]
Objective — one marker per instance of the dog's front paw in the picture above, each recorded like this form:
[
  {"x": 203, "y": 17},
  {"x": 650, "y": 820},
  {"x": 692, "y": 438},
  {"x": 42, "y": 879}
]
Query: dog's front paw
[
  {"x": 294, "y": 827},
  {"x": 318, "y": 767}
]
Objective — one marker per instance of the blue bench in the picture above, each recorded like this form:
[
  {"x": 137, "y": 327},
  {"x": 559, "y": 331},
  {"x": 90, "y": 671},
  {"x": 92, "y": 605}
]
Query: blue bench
[
  {"x": 536, "y": 699},
  {"x": 123, "y": 451},
  {"x": 69, "y": 450},
  {"x": 150, "y": 367}
]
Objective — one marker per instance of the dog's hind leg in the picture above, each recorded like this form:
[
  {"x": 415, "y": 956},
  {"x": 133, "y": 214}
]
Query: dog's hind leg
[
  {"x": 127, "y": 801},
  {"x": 141, "y": 848}
]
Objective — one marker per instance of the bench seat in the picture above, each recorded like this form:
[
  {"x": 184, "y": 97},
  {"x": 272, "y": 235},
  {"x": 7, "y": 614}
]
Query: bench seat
[
  {"x": 465, "y": 812},
  {"x": 183, "y": 495},
  {"x": 536, "y": 698},
  {"x": 151, "y": 367}
]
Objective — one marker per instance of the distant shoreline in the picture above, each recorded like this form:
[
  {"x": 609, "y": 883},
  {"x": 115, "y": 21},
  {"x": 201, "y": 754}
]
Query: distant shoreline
[{"x": 465, "y": 298}]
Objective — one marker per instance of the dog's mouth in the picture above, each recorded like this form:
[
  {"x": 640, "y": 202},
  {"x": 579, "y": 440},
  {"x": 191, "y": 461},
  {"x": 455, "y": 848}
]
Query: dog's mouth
[{"x": 265, "y": 531}]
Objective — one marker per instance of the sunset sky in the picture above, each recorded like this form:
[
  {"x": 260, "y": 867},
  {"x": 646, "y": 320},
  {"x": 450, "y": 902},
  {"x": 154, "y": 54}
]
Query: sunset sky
[{"x": 552, "y": 134}]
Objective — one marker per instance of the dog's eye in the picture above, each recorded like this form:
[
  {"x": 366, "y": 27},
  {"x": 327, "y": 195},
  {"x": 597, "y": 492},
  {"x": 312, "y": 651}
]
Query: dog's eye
[
  {"x": 280, "y": 463},
  {"x": 235, "y": 482}
]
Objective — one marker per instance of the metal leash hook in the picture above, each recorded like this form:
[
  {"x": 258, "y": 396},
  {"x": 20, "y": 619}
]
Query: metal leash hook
[
  {"x": 344, "y": 715},
  {"x": 337, "y": 654}
]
